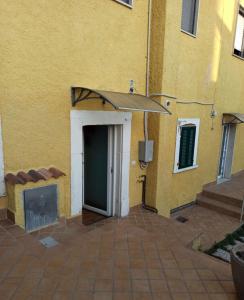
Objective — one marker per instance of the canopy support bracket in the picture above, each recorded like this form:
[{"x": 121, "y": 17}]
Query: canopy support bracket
[
  {"x": 232, "y": 118},
  {"x": 84, "y": 94}
]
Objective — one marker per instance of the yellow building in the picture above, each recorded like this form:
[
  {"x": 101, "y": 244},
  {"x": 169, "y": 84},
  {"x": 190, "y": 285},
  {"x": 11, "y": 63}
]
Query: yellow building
[
  {"x": 197, "y": 62},
  {"x": 57, "y": 60}
]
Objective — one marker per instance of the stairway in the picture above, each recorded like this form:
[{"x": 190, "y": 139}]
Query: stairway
[{"x": 225, "y": 198}]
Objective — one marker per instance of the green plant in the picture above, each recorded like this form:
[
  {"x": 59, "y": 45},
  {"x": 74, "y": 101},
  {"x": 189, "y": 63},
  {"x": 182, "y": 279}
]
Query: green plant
[
  {"x": 240, "y": 231},
  {"x": 230, "y": 239}
]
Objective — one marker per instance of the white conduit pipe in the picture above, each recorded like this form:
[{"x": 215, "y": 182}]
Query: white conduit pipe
[
  {"x": 148, "y": 66},
  {"x": 162, "y": 95}
]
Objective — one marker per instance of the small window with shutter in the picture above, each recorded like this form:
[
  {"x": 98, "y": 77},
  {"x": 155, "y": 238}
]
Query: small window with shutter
[{"x": 186, "y": 144}]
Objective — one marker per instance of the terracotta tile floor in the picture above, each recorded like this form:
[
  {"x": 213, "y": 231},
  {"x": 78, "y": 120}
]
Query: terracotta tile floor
[
  {"x": 143, "y": 256},
  {"x": 212, "y": 226}
]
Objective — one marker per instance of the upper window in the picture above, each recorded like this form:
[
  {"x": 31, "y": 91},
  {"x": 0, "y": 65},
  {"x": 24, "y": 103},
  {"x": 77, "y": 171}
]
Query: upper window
[
  {"x": 239, "y": 38},
  {"x": 126, "y": 2},
  {"x": 189, "y": 16},
  {"x": 186, "y": 144}
]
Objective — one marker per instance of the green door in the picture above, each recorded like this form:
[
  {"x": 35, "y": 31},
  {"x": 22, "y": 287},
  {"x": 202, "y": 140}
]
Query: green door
[{"x": 96, "y": 143}]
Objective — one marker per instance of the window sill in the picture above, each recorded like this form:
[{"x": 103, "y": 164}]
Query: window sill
[
  {"x": 237, "y": 56},
  {"x": 125, "y": 4},
  {"x": 188, "y": 33},
  {"x": 185, "y": 169}
]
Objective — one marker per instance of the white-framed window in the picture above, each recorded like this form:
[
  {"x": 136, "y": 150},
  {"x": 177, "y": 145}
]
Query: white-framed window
[
  {"x": 239, "y": 36},
  {"x": 128, "y": 3},
  {"x": 2, "y": 182},
  {"x": 186, "y": 144},
  {"x": 189, "y": 16}
]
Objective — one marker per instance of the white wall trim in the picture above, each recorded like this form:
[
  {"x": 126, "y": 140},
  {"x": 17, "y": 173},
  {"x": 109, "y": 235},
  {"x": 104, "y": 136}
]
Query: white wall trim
[
  {"x": 80, "y": 118},
  {"x": 180, "y": 123},
  {"x": 2, "y": 182}
]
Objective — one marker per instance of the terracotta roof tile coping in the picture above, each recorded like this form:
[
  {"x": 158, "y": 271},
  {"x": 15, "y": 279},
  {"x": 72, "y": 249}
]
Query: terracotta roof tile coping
[
  {"x": 36, "y": 175},
  {"x": 33, "y": 176},
  {"x": 45, "y": 173},
  {"x": 56, "y": 172},
  {"x": 25, "y": 176}
]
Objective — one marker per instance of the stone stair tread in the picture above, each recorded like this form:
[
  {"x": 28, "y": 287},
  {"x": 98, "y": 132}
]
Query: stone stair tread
[
  {"x": 227, "y": 199},
  {"x": 218, "y": 204},
  {"x": 222, "y": 194}
]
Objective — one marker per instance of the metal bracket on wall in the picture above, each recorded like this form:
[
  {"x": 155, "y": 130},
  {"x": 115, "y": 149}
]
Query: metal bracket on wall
[
  {"x": 236, "y": 118},
  {"x": 83, "y": 94}
]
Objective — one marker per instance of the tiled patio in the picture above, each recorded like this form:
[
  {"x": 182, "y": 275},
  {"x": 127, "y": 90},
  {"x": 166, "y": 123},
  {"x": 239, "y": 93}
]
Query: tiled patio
[
  {"x": 143, "y": 256},
  {"x": 212, "y": 225}
]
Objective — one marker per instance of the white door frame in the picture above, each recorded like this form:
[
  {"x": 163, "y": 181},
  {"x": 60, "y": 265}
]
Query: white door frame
[
  {"x": 223, "y": 151},
  {"x": 227, "y": 144},
  {"x": 80, "y": 118}
]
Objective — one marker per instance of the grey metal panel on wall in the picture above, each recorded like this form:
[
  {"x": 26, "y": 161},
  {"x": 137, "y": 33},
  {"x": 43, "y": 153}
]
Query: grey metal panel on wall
[{"x": 40, "y": 207}]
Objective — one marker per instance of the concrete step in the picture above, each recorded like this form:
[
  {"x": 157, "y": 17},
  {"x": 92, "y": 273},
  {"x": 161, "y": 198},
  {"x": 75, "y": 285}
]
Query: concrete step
[
  {"x": 222, "y": 198},
  {"x": 221, "y": 207}
]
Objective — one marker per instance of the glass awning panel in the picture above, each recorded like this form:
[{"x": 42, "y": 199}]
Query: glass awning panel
[
  {"x": 120, "y": 101},
  {"x": 233, "y": 118}
]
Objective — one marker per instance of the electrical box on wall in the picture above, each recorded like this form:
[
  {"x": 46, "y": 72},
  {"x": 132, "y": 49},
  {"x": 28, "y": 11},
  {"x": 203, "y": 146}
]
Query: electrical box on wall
[{"x": 146, "y": 151}]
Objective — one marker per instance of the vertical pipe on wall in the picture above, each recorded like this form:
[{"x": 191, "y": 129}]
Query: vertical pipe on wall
[
  {"x": 148, "y": 65},
  {"x": 144, "y": 165}
]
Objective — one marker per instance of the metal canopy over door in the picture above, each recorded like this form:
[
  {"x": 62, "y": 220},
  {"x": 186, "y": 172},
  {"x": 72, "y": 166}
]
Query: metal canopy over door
[
  {"x": 98, "y": 144},
  {"x": 227, "y": 150},
  {"x": 119, "y": 101}
]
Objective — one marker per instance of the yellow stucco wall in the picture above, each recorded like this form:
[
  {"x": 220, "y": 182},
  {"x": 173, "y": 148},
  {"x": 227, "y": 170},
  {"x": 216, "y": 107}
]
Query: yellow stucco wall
[
  {"x": 195, "y": 69},
  {"x": 48, "y": 46}
]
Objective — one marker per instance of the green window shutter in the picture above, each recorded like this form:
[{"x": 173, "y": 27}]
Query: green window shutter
[{"x": 187, "y": 146}]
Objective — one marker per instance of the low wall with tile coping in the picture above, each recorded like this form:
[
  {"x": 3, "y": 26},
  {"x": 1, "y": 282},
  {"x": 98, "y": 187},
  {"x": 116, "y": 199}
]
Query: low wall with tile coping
[{"x": 16, "y": 199}]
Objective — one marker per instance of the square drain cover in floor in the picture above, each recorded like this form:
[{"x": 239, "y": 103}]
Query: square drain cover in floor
[
  {"x": 48, "y": 242},
  {"x": 181, "y": 219}
]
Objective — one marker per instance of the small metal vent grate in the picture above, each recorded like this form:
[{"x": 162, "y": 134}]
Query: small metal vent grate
[
  {"x": 40, "y": 206},
  {"x": 181, "y": 219},
  {"x": 48, "y": 242}
]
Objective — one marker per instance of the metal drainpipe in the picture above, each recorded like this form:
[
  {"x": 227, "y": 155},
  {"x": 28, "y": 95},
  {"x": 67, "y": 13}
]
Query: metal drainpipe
[
  {"x": 148, "y": 65},
  {"x": 143, "y": 180},
  {"x": 143, "y": 177}
]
